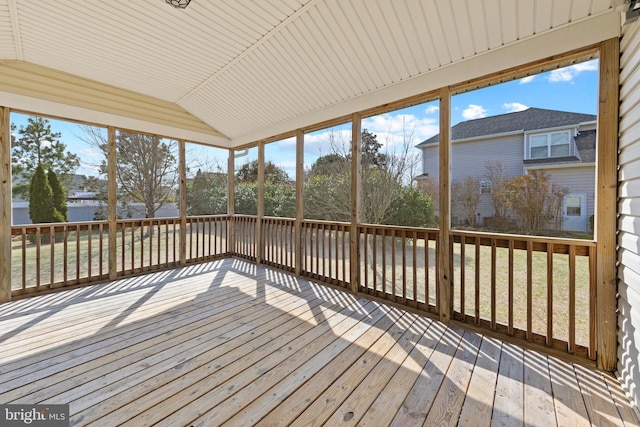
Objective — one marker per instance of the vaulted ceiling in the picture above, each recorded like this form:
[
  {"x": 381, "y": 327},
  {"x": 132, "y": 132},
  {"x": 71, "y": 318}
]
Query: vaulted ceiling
[{"x": 229, "y": 72}]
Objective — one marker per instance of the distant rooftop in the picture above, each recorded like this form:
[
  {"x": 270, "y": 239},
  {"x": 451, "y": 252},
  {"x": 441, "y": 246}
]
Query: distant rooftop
[{"x": 526, "y": 120}]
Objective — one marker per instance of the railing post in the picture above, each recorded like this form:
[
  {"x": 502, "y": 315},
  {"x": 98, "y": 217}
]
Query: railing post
[
  {"x": 299, "y": 200},
  {"x": 356, "y": 169},
  {"x": 112, "y": 206},
  {"x": 182, "y": 172},
  {"x": 231, "y": 202},
  {"x": 5, "y": 204},
  {"x": 258, "y": 241},
  {"x": 606, "y": 193},
  {"x": 444, "y": 258}
]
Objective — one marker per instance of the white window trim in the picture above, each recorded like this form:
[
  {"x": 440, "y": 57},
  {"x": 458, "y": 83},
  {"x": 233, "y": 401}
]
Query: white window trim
[{"x": 548, "y": 133}]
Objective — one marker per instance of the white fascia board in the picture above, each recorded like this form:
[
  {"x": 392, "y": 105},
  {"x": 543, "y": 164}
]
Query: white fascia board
[
  {"x": 565, "y": 38},
  {"x": 62, "y": 111}
]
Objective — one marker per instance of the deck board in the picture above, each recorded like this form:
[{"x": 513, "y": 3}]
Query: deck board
[{"x": 232, "y": 343}]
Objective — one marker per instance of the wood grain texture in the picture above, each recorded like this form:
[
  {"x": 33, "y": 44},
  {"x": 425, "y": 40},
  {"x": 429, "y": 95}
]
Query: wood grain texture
[{"x": 233, "y": 343}]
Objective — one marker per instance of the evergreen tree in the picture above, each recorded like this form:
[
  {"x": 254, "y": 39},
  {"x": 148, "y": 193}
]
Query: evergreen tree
[
  {"x": 41, "y": 202},
  {"x": 37, "y": 144},
  {"x": 59, "y": 196}
]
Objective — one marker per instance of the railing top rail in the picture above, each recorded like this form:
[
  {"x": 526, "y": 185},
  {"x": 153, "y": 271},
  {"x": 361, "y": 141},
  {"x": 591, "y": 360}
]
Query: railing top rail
[
  {"x": 525, "y": 238},
  {"x": 320, "y": 221},
  {"x": 398, "y": 227},
  {"x": 216, "y": 216}
]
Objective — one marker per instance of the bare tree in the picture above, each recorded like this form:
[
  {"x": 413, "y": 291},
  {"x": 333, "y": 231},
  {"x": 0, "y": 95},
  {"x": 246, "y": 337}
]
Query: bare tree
[
  {"x": 146, "y": 169},
  {"x": 495, "y": 175},
  {"x": 466, "y": 195}
]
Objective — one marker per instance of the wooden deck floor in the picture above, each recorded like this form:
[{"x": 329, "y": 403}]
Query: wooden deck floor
[{"x": 231, "y": 343}]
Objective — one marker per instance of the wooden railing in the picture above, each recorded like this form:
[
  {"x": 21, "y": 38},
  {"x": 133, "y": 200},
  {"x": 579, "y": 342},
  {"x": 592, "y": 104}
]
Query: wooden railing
[
  {"x": 278, "y": 242},
  {"x": 244, "y": 229},
  {"x": 538, "y": 289},
  {"x": 534, "y": 289},
  {"x": 325, "y": 251},
  {"x": 206, "y": 237},
  {"x": 400, "y": 264},
  {"x": 46, "y": 256},
  {"x": 147, "y": 244}
]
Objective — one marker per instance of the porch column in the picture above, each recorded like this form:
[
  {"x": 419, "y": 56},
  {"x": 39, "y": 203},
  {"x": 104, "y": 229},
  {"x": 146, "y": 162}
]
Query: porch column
[
  {"x": 231, "y": 202},
  {"x": 182, "y": 205},
  {"x": 112, "y": 202},
  {"x": 5, "y": 205},
  {"x": 606, "y": 209},
  {"x": 260, "y": 204},
  {"x": 444, "y": 248},
  {"x": 356, "y": 169},
  {"x": 299, "y": 199}
]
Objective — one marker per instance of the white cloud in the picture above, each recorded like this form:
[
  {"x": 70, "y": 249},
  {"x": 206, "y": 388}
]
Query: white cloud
[
  {"x": 474, "y": 112},
  {"x": 567, "y": 74},
  {"x": 527, "y": 79},
  {"x": 395, "y": 129},
  {"x": 431, "y": 109},
  {"x": 512, "y": 107}
]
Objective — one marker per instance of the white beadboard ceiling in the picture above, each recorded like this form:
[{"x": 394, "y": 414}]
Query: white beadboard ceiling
[{"x": 250, "y": 69}]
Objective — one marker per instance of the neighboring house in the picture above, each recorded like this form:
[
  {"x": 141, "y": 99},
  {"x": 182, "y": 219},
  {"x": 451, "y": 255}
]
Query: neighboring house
[{"x": 558, "y": 142}]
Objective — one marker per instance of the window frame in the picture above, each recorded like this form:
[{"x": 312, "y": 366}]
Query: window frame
[{"x": 549, "y": 144}]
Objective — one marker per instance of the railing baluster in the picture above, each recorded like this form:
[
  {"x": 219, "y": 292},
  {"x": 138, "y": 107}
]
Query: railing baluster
[
  {"x": 374, "y": 260},
  {"x": 572, "y": 299},
  {"x": 427, "y": 271},
  {"x": 384, "y": 262},
  {"x": 52, "y": 256},
  {"x": 393, "y": 263},
  {"x": 463, "y": 268},
  {"x": 549, "y": 338},
  {"x": 65, "y": 253},
  {"x": 78, "y": 255},
  {"x": 24, "y": 258},
  {"x": 415, "y": 269},
  {"x": 477, "y": 281},
  {"x": 510, "y": 290},
  {"x": 493, "y": 284},
  {"x": 404, "y": 266},
  {"x": 101, "y": 244},
  {"x": 529, "y": 290},
  {"x": 38, "y": 236},
  {"x": 592, "y": 303},
  {"x": 89, "y": 251}
]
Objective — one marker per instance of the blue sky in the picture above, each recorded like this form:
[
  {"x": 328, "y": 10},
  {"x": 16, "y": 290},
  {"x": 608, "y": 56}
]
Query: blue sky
[{"x": 572, "y": 88}]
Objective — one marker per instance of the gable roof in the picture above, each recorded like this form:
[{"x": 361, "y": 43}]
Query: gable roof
[{"x": 526, "y": 120}]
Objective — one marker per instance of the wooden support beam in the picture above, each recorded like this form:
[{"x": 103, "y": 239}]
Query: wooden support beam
[
  {"x": 5, "y": 204},
  {"x": 606, "y": 193},
  {"x": 112, "y": 206},
  {"x": 299, "y": 200},
  {"x": 444, "y": 248},
  {"x": 231, "y": 201},
  {"x": 356, "y": 178},
  {"x": 182, "y": 205},
  {"x": 260, "y": 202}
]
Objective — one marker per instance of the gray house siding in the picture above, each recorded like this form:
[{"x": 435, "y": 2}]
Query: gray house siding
[
  {"x": 629, "y": 219},
  {"x": 578, "y": 180},
  {"x": 469, "y": 158}
]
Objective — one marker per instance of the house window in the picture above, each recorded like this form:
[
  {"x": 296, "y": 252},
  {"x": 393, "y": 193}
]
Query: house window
[
  {"x": 485, "y": 187},
  {"x": 574, "y": 206},
  {"x": 553, "y": 144}
]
